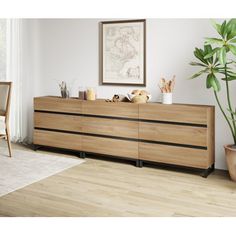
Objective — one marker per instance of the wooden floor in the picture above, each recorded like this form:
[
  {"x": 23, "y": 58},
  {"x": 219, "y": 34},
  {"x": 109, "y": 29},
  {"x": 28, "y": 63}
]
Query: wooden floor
[{"x": 105, "y": 188}]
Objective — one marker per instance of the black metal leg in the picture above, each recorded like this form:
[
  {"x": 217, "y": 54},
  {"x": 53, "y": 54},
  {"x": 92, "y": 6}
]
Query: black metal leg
[
  {"x": 82, "y": 155},
  {"x": 36, "y": 147},
  {"x": 206, "y": 172},
  {"x": 139, "y": 163}
]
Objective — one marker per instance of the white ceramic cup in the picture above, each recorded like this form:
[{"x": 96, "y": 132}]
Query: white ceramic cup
[{"x": 167, "y": 98}]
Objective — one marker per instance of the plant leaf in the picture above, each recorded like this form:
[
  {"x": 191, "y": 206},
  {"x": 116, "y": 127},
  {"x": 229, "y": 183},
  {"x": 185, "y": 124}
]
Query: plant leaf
[
  {"x": 222, "y": 56},
  {"x": 212, "y": 82},
  {"x": 232, "y": 49},
  {"x": 232, "y": 34},
  {"x": 208, "y": 81},
  {"x": 216, "y": 26},
  {"x": 198, "y": 53},
  {"x": 231, "y": 25},
  {"x": 210, "y": 54},
  {"x": 216, "y": 63},
  {"x": 207, "y": 50},
  {"x": 231, "y": 73},
  {"x": 230, "y": 78},
  {"x": 197, "y": 64},
  {"x": 223, "y": 28},
  {"x": 233, "y": 40},
  {"x": 214, "y": 41},
  {"x": 198, "y": 74}
]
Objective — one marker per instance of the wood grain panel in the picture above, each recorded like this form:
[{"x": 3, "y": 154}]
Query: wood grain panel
[
  {"x": 58, "y": 121},
  {"x": 103, "y": 108},
  {"x": 174, "y": 113},
  {"x": 173, "y": 133},
  {"x": 173, "y": 155},
  {"x": 114, "y": 147},
  {"x": 113, "y": 127},
  {"x": 58, "y": 104},
  {"x": 152, "y": 131},
  {"x": 57, "y": 139},
  {"x": 211, "y": 135}
]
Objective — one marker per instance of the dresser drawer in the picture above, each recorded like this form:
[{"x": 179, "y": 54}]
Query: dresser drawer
[
  {"x": 57, "y": 139},
  {"x": 119, "y": 109},
  {"x": 174, "y": 113},
  {"x": 111, "y": 127},
  {"x": 58, "y": 121},
  {"x": 57, "y": 104},
  {"x": 109, "y": 146},
  {"x": 179, "y": 134},
  {"x": 173, "y": 155}
]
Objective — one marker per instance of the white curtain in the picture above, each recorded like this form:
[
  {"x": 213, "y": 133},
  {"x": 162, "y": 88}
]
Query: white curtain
[{"x": 14, "y": 74}]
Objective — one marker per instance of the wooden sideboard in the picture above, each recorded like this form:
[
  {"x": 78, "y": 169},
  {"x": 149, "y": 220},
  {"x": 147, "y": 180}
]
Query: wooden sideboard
[{"x": 177, "y": 134}]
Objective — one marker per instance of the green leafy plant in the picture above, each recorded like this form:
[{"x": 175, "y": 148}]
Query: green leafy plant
[{"x": 217, "y": 68}]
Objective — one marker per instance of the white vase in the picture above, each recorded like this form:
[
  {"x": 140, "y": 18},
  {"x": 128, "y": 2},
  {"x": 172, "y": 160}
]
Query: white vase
[{"x": 167, "y": 98}]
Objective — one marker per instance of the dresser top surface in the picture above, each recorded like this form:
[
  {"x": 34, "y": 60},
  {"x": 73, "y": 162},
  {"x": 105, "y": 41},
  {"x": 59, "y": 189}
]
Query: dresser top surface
[{"x": 57, "y": 98}]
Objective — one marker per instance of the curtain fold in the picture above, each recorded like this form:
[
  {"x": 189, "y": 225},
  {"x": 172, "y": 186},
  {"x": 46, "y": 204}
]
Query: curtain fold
[{"x": 14, "y": 74}]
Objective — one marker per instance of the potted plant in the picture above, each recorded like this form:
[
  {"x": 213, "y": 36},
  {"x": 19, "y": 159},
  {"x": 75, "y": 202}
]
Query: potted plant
[{"x": 217, "y": 67}]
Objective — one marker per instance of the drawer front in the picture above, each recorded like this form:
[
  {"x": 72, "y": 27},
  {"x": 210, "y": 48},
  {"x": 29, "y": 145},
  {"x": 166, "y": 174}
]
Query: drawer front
[
  {"x": 108, "y": 146},
  {"x": 173, "y": 155},
  {"x": 102, "y": 108},
  {"x": 173, "y": 113},
  {"x": 58, "y": 121},
  {"x": 112, "y": 127},
  {"x": 58, "y": 104},
  {"x": 179, "y": 134},
  {"x": 57, "y": 139}
]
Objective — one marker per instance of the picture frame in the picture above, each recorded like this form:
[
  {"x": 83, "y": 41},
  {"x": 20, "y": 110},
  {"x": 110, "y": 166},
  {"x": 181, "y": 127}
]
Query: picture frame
[{"x": 123, "y": 52}]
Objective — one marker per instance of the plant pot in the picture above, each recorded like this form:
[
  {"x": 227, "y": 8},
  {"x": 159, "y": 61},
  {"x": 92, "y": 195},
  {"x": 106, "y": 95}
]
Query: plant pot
[{"x": 230, "y": 152}]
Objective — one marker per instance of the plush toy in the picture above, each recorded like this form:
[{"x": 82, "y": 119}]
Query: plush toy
[
  {"x": 139, "y": 96},
  {"x": 136, "y": 92},
  {"x": 117, "y": 98}
]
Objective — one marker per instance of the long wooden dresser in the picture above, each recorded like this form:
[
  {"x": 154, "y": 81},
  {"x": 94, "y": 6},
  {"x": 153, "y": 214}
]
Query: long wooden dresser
[{"x": 177, "y": 134}]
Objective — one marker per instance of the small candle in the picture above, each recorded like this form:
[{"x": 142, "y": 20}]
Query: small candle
[
  {"x": 90, "y": 94},
  {"x": 81, "y": 93}
]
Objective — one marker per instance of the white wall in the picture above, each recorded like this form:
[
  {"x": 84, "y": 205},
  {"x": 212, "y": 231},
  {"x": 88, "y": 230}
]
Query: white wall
[{"x": 68, "y": 50}]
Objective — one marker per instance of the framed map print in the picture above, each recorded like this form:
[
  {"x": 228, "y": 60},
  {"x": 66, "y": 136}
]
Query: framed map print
[{"x": 123, "y": 52}]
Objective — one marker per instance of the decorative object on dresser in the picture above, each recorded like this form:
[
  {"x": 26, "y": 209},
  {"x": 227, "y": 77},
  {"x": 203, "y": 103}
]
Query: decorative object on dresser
[
  {"x": 90, "y": 94},
  {"x": 139, "y": 96},
  {"x": 82, "y": 93},
  {"x": 176, "y": 134},
  {"x": 5, "y": 101},
  {"x": 64, "y": 90},
  {"x": 122, "y": 52},
  {"x": 216, "y": 64},
  {"x": 167, "y": 88},
  {"x": 117, "y": 98}
]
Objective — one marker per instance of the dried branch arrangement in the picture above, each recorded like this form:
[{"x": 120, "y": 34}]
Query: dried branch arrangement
[
  {"x": 64, "y": 90},
  {"x": 167, "y": 86}
]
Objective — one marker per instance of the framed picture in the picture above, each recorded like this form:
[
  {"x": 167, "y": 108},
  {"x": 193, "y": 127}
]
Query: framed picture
[{"x": 123, "y": 52}]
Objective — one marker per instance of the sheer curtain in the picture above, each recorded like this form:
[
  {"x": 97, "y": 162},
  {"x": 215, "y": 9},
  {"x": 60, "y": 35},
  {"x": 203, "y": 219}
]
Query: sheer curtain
[{"x": 14, "y": 74}]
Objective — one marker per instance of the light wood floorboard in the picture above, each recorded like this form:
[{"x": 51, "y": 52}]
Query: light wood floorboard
[{"x": 105, "y": 188}]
